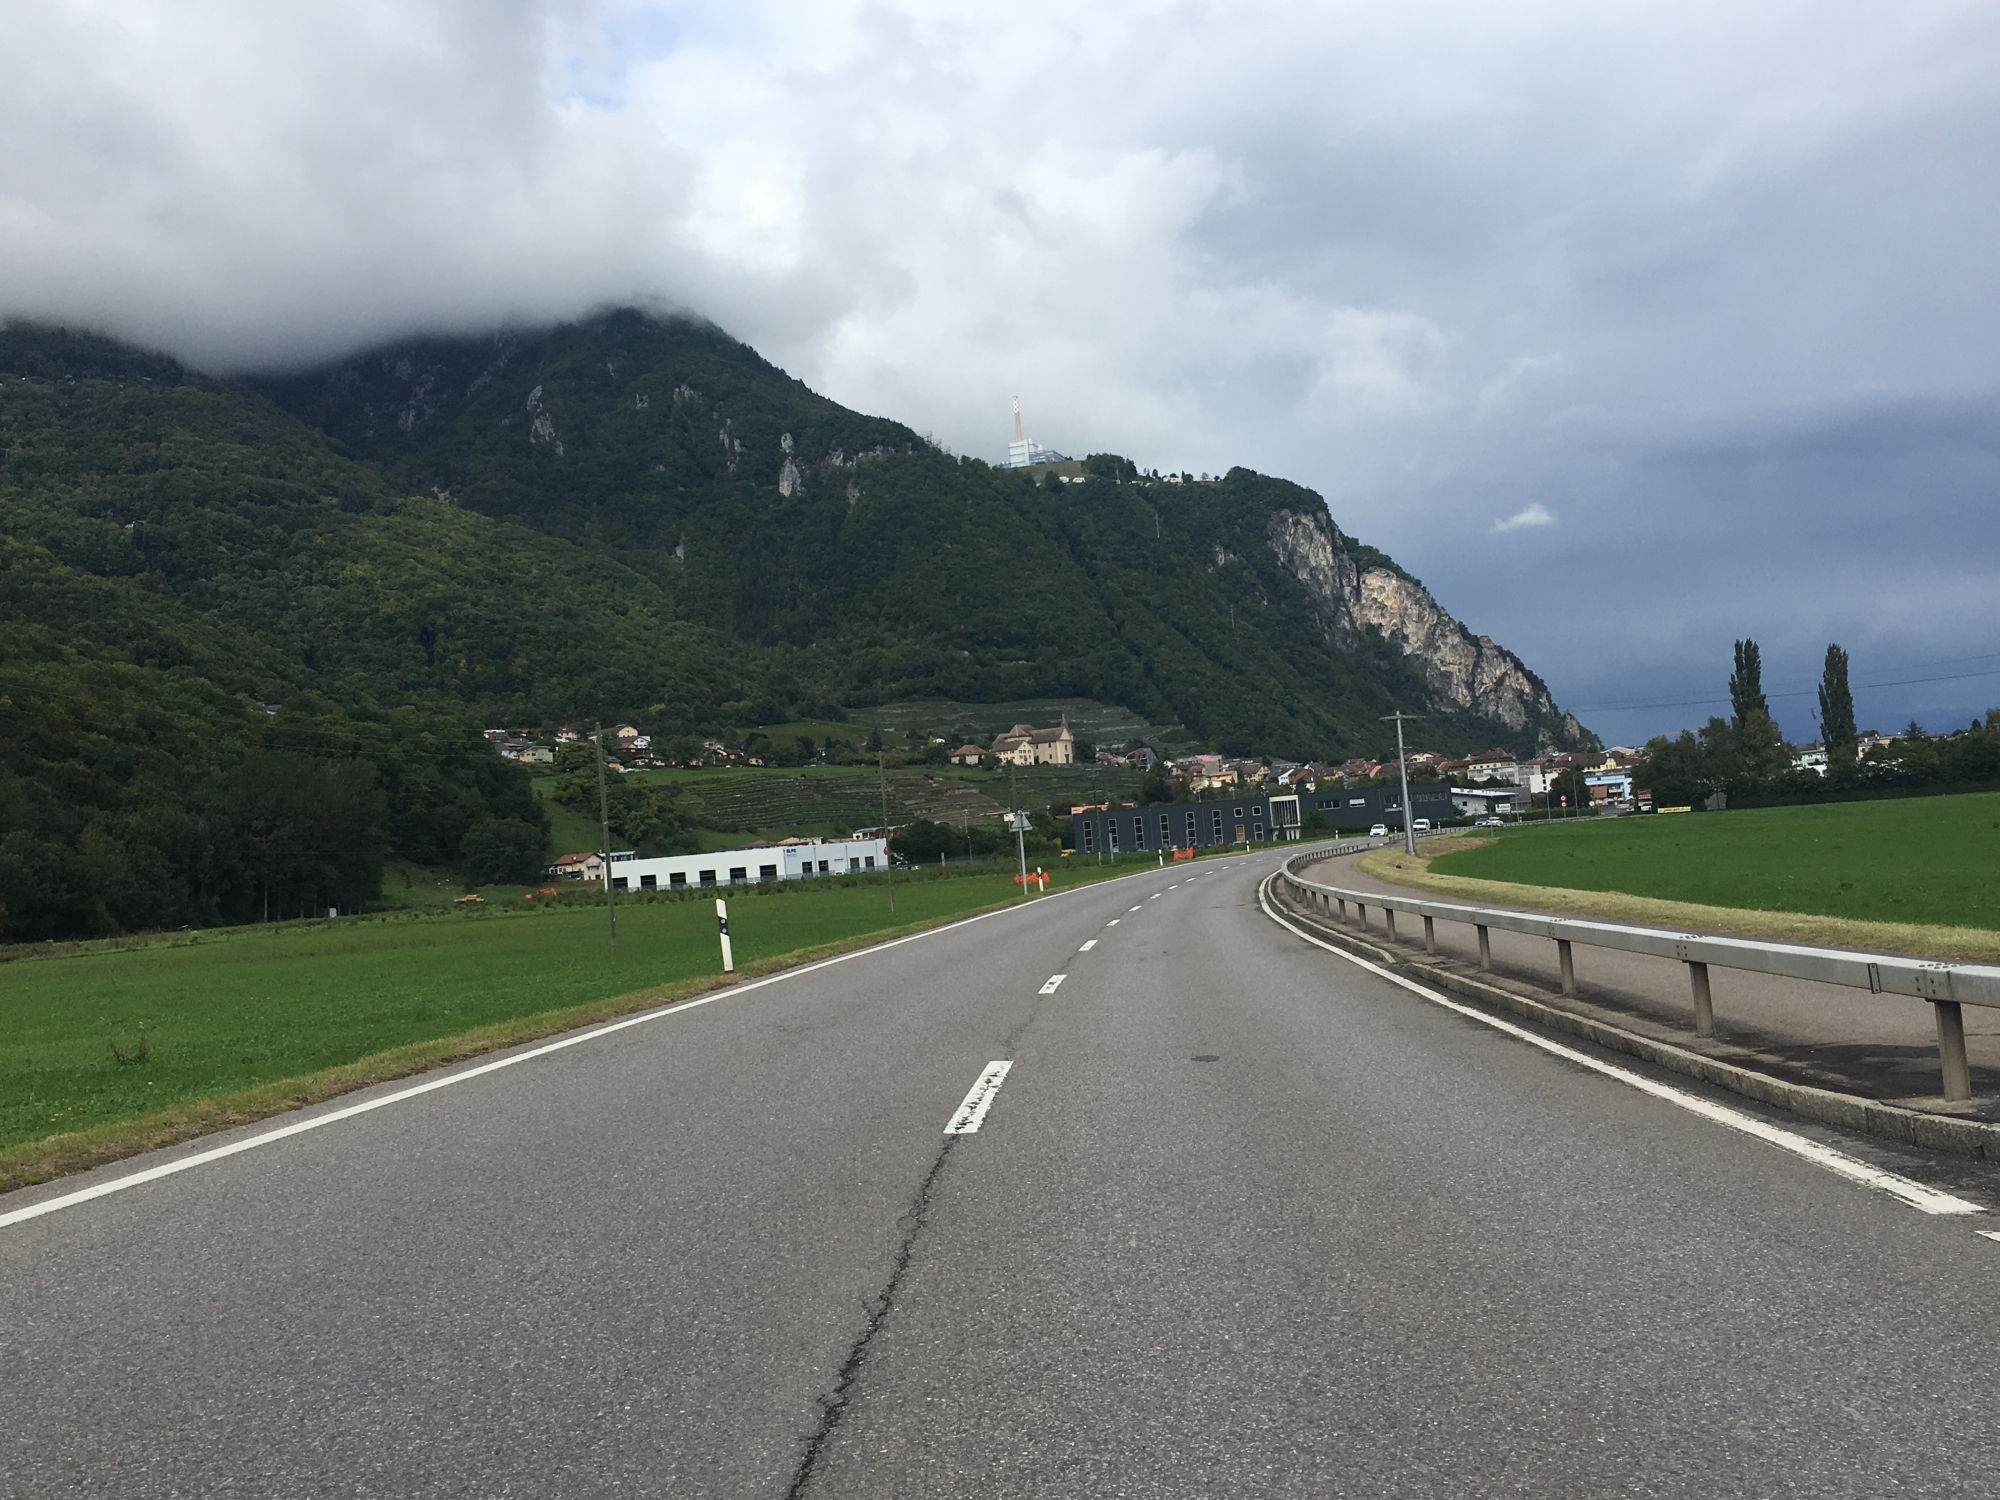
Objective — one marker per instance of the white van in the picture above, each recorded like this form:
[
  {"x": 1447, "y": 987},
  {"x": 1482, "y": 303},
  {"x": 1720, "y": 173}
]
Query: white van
[{"x": 1422, "y": 825}]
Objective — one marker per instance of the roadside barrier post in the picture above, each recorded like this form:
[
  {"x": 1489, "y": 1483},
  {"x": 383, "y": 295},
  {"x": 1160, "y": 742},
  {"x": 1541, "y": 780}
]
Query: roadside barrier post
[
  {"x": 1485, "y": 949},
  {"x": 1430, "y": 936},
  {"x": 1704, "y": 1007},
  {"x": 722, "y": 921},
  {"x": 1568, "y": 966},
  {"x": 1389, "y": 918},
  {"x": 1951, "y": 1049}
]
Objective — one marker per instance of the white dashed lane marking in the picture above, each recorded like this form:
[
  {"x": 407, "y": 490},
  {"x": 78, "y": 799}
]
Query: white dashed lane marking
[
  {"x": 973, "y": 1110},
  {"x": 1114, "y": 922},
  {"x": 1054, "y": 984},
  {"x": 1129, "y": 913},
  {"x": 1088, "y": 946}
]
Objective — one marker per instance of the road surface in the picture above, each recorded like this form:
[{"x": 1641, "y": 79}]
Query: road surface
[{"x": 1242, "y": 1218}]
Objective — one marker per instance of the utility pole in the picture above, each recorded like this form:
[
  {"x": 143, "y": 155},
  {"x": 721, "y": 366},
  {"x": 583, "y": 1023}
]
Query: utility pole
[
  {"x": 1403, "y": 770},
  {"x": 888, "y": 855},
  {"x": 604, "y": 827}
]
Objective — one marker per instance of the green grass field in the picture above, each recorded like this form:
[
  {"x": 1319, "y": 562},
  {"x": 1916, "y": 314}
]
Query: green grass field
[
  {"x": 1933, "y": 860},
  {"x": 233, "y": 1009}
]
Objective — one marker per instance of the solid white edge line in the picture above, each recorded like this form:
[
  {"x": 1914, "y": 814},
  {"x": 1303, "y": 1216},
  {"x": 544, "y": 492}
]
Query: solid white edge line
[
  {"x": 574, "y": 1039},
  {"x": 1930, "y": 1200},
  {"x": 1054, "y": 984},
  {"x": 978, "y": 1100}
]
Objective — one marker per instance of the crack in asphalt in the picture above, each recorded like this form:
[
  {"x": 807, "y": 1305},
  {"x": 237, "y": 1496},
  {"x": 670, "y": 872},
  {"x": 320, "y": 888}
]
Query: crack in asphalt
[{"x": 833, "y": 1405}]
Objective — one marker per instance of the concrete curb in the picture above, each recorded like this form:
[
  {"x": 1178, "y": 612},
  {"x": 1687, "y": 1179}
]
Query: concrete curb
[{"x": 1890, "y": 1122}]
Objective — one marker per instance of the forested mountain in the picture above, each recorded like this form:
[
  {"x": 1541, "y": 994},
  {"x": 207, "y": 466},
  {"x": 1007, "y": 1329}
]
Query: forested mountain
[
  {"x": 220, "y": 598},
  {"x": 870, "y": 566}
]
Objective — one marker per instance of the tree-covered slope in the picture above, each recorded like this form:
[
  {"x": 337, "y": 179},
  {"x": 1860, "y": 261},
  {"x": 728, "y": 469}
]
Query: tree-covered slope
[
  {"x": 874, "y": 566},
  {"x": 209, "y": 619}
]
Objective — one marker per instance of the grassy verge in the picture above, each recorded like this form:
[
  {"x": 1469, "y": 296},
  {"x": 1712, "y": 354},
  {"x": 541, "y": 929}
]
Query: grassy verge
[
  {"x": 1419, "y": 872},
  {"x": 244, "y": 1023}
]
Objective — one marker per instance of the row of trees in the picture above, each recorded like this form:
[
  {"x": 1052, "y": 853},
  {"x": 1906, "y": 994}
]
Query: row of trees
[{"x": 1746, "y": 754}]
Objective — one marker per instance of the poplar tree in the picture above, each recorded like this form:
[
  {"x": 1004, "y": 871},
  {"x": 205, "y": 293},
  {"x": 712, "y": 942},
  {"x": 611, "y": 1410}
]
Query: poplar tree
[
  {"x": 1836, "y": 714},
  {"x": 1746, "y": 685}
]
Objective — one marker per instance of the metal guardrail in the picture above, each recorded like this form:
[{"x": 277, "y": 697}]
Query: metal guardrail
[{"x": 1946, "y": 986}]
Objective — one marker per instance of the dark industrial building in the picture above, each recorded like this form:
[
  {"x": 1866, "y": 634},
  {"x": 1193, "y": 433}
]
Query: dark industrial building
[{"x": 1254, "y": 819}]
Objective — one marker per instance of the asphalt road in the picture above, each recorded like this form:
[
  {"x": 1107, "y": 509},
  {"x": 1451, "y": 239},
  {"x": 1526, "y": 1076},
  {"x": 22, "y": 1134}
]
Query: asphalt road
[{"x": 1243, "y": 1219}]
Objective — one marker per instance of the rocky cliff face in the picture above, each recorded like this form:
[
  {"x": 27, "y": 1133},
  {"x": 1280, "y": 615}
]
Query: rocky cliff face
[{"x": 1466, "y": 673}]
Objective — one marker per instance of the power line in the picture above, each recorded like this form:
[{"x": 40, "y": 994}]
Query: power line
[{"x": 1866, "y": 687}]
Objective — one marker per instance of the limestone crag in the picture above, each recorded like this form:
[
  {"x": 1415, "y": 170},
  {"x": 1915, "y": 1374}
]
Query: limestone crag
[{"x": 1465, "y": 673}]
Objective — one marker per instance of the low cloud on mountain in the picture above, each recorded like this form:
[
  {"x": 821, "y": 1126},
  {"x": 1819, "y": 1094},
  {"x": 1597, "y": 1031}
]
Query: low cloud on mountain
[{"x": 1712, "y": 284}]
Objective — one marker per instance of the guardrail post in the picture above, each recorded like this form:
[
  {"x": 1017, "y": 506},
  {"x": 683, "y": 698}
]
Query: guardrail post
[
  {"x": 1568, "y": 966},
  {"x": 1430, "y": 936},
  {"x": 1361, "y": 916},
  {"x": 1485, "y": 949},
  {"x": 1342, "y": 902},
  {"x": 1389, "y": 916},
  {"x": 1704, "y": 1007},
  {"x": 1951, "y": 1049}
]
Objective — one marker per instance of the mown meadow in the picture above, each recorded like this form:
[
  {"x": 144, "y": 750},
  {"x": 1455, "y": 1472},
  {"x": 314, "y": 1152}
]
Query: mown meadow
[
  {"x": 1926, "y": 860},
  {"x": 127, "y": 1045}
]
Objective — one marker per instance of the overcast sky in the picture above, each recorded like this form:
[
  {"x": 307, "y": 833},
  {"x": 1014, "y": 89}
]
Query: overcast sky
[{"x": 1629, "y": 328}]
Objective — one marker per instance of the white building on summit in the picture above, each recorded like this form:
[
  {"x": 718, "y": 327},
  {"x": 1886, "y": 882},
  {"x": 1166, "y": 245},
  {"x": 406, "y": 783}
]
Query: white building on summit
[{"x": 1025, "y": 453}]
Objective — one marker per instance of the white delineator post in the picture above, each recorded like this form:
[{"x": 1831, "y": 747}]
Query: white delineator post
[{"x": 722, "y": 922}]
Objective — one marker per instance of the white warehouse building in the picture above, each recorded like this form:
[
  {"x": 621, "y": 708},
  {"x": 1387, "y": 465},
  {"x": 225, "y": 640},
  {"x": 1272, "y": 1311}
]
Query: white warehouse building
[{"x": 791, "y": 860}]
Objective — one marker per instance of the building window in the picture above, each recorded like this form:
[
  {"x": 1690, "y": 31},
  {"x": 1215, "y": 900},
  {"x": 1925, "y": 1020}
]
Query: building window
[
  {"x": 767, "y": 872},
  {"x": 1258, "y": 810},
  {"x": 678, "y": 880},
  {"x": 1217, "y": 838},
  {"x": 853, "y": 866},
  {"x": 649, "y": 882},
  {"x": 1089, "y": 837},
  {"x": 1260, "y": 833},
  {"x": 708, "y": 877},
  {"x": 869, "y": 860},
  {"x": 1190, "y": 830},
  {"x": 822, "y": 867},
  {"x": 1166, "y": 830},
  {"x": 617, "y": 882},
  {"x": 1357, "y": 801},
  {"x": 1111, "y": 834},
  {"x": 1138, "y": 832}
]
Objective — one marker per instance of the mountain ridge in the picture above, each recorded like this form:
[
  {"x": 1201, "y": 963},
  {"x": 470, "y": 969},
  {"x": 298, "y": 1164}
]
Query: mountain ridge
[{"x": 662, "y": 440}]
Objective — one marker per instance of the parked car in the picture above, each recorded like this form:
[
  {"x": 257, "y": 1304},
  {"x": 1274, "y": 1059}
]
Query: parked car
[
  {"x": 1422, "y": 825},
  {"x": 1379, "y": 831},
  {"x": 1486, "y": 823}
]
